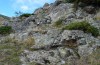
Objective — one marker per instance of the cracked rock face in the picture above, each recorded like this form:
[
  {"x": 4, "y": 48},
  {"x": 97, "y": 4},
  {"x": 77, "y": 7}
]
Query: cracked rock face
[
  {"x": 60, "y": 54},
  {"x": 55, "y": 14},
  {"x": 42, "y": 57}
]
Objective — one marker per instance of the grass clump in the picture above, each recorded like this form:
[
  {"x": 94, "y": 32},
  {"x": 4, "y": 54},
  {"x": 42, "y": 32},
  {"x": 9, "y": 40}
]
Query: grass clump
[
  {"x": 29, "y": 42},
  {"x": 5, "y": 30},
  {"x": 33, "y": 63},
  {"x": 58, "y": 23},
  {"x": 84, "y": 26},
  {"x": 97, "y": 16}
]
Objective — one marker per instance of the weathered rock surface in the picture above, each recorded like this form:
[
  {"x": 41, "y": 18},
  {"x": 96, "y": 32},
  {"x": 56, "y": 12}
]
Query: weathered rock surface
[
  {"x": 57, "y": 54},
  {"x": 54, "y": 46}
]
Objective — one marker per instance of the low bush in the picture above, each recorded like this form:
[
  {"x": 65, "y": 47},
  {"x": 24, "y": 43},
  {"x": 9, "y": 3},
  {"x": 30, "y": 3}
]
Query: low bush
[
  {"x": 5, "y": 30},
  {"x": 84, "y": 26},
  {"x": 25, "y": 15}
]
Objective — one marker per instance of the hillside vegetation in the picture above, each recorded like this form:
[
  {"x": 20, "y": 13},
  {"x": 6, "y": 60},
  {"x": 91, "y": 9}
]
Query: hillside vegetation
[{"x": 66, "y": 32}]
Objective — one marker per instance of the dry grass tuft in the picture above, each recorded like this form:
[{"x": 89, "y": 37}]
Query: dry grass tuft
[{"x": 29, "y": 42}]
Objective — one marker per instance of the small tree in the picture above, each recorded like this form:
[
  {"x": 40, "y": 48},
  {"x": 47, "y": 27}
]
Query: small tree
[{"x": 18, "y": 13}]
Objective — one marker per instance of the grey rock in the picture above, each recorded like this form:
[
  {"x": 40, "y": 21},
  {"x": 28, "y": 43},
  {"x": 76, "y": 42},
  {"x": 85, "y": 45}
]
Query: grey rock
[
  {"x": 56, "y": 3},
  {"x": 38, "y": 10},
  {"x": 57, "y": 11},
  {"x": 6, "y": 23},
  {"x": 83, "y": 50},
  {"x": 41, "y": 57},
  {"x": 45, "y": 5},
  {"x": 46, "y": 39},
  {"x": 89, "y": 9},
  {"x": 46, "y": 51}
]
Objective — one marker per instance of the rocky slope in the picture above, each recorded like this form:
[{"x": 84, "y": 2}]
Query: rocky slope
[
  {"x": 42, "y": 39},
  {"x": 3, "y": 19}
]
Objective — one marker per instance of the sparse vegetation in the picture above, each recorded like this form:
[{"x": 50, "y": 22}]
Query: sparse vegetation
[
  {"x": 5, "y": 17},
  {"x": 97, "y": 17},
  {"x": 9, "y": 53},
  {"x": 58, "y": 23},
  {"x": 5, "y": 30},
  {"x": 10, "y": 50},
  {"x": 29, "y": 42},
  {"x": 25, "y": 15},
  {"x": 84, "y": 26},
  {"x": 92, "y": 59},
  {"x": 33, "y": 63},
  {"x": 54, "y": 44}
]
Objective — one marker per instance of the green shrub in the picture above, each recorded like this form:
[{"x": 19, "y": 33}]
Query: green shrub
[
  {"x": 84, "y": 26},
  {"x": 25, "y": 15},
  {"x": 5, "y": 30}
]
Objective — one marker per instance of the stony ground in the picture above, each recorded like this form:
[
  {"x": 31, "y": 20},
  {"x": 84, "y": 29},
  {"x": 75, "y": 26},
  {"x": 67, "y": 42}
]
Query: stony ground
[{"x": 45, "y": 39}]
